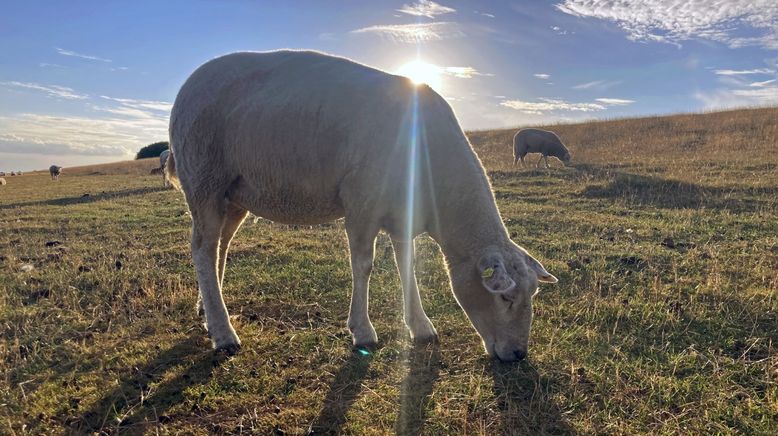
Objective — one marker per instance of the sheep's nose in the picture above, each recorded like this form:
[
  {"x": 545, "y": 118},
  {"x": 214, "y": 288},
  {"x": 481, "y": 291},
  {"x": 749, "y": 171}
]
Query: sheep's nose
[{"x": 520, "y": 354}]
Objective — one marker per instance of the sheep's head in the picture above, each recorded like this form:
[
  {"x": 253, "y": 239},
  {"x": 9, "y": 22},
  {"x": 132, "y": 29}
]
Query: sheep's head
[
  {"x": 495, "y": 290},
  {"x": 566, "y": 159}
]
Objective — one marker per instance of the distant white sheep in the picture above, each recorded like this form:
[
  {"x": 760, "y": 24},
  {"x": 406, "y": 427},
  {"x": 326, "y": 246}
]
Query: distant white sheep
[
  {"x": 539, "y": 141},
  {"x": 162, "y": 161},
  {"x": 55, "y": 171},
  {"x": 300, "y": 137}
]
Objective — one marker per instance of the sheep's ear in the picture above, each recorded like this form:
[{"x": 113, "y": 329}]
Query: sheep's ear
[
  {"x": 543, "y": 275},
  {"x": 494, "y": 277}
]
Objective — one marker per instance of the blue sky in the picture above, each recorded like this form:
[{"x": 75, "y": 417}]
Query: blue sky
[{"x": 93, "y": 81}]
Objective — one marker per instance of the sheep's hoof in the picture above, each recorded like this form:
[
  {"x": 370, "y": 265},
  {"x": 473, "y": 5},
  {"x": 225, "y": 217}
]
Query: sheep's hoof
[
  {"x": 228, "y": 350},
  {"x": 369, "y": 343},
  {"x": 363, "y": 336},
  {"x": 423, "y": 332}
]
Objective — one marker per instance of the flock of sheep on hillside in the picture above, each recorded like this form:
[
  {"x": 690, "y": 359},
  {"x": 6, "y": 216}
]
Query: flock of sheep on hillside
[{"x": 316, "y": 139}]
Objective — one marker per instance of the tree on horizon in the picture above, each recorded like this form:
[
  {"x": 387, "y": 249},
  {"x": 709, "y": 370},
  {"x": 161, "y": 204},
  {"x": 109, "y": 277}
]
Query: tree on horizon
[{"x": 152, "y": 150}]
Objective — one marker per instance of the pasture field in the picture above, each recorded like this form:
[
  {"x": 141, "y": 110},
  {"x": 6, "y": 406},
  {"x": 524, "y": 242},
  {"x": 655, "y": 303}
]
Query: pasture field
[{"x": 664, "y": 237}]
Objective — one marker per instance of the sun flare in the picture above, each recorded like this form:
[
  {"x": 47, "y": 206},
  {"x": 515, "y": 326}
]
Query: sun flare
[{"x": 421, "y": 72}]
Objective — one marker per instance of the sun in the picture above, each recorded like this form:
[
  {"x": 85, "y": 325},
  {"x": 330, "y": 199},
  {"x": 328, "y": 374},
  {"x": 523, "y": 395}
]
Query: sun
[{"x": 421, "y": 72}]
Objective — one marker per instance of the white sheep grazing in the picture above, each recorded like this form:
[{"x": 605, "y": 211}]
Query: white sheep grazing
[
  {"x": 162, "y": 160},
  {"x": 55, "y": 171},
  {"x": 301, "y": 137},
  {"x": 539, "y": 141}
]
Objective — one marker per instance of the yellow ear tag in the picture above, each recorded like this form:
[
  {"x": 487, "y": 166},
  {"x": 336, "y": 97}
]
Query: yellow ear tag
[{"x": 488, "y": 273}]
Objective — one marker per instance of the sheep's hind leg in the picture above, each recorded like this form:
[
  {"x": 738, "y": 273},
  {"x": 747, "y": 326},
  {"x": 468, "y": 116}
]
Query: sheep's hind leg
[
  {"x": 361, "y": 241},
  {"x": 233, "y": 219},
  {"x": 418, "y": 323},
  {"x": 207, "y": 222}
]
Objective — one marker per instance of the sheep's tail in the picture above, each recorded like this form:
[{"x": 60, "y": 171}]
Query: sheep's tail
[{"x": 170, "y": 170}]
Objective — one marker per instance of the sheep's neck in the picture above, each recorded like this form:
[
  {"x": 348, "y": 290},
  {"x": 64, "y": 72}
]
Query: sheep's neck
[{"x": 464, "y": 217}]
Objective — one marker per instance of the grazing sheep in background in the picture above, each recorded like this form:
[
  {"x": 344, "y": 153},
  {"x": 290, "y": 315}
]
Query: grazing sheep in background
[
  {"x": 13, "y": 173},
  {"x": 301, "y": 137},
  {"x": 162, "y": 160},
  {"x": 539, "y": 141},
  {"x": 2, "y": 173},
  {"x": 55, "y": 171},
  {"x": 155, "y": 171},
  {"x": 2, "y": 181}
]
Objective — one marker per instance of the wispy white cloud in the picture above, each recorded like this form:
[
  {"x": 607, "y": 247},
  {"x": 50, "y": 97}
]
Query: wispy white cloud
[
  {"x": 161, "y": 106},
  {"x": 64, "y": 52},
  {"x": 542, "y": 76},
  {"x": 673, "y": 21},
  {"x": 597, "y": 84},
  {"x": 463, "y": 72},
  {"x": 118, "y": 134},
  {"x": 545, "y": 105},
  {"x": 558, "y": 30},
  {"x": 412, "y": 33},
  {"x": 614, "y": 101},
  {"x": 766, "y": 95},
  {"x": 425, "y": 8},
  {"x": 761, "y": 84},
  {"x": 50, "y": 90},
  {"x": 48, "y": 65},
  {"x": 549, "y": 105},
  {"x": 111, "y": 127},
  {"x": 743, "y": 72},
  {"x": 730, "y": 98},
  {"x": 484, "y": 14}
]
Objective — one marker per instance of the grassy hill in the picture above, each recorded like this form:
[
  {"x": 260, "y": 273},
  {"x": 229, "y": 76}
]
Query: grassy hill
[
  {"x": 664, "y": 235},
  {"x": 140, "y": 167}
]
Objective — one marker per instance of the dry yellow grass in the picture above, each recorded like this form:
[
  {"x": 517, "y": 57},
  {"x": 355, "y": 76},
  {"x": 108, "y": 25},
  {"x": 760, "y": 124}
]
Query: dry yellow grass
[
  {"x": 664, "y": 237},
  {"x": 681, "y": 146},
  {"x": 137, "y": 167}
]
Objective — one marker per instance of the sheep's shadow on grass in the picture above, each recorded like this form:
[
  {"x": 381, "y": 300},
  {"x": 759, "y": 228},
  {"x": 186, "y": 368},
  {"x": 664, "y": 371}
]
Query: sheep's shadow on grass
[
  {"x": 134, "y": 405},
  {"x": 612, "y": 182},
  {"x": 522, "y": 395},
  {"x": 655, "y": 191},
  {"x": 85, "y": 198},
  {"x": 344, "y": 390},
  {"x": 423, "y": 363}
]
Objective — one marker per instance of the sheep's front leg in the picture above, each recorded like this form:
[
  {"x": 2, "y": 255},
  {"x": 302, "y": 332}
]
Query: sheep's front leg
[
  {"x": 361, "y": 241},
  {"x": 537, "y": 165},
  {"x": 545, "y": 159},
  {"x": 417, "y": 321}
]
